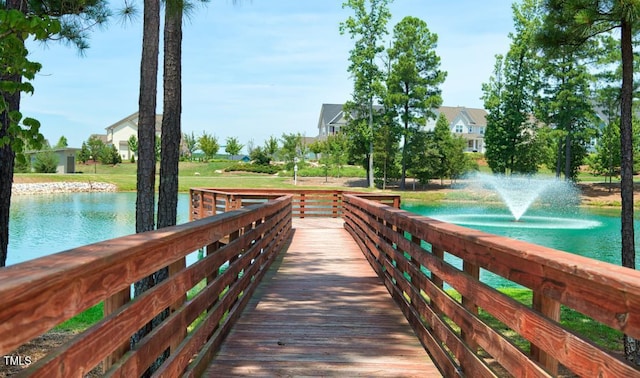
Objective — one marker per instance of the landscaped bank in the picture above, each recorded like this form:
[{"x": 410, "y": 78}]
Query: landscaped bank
[{"x": 61, "y": 187}]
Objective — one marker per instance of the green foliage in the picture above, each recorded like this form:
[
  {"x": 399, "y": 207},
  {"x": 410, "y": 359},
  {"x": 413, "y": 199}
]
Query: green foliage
[
  {"x": 208, "y": 144},
  {"x": 254, "y": 168},
  {"x": 45, "y": 162},
  {"x": 414, "y": 80},
  {"x": 367, "y": 27},
  {"x": 271, "y": 146},
  {"x": 190, "y": 142},
  {"x": 95, "y": 146},
  {"x": 386, "y": 149},
  {"x": 84, "y": 153},
  {"x": 62, "y": 142},
  {"x": 132, "y": 143},
  {"x": 110, "y": 155},
  {"x": 233, "y": 146},
  {"x": 292, "y": 149},
  {"x": 22, "y": 166},
  {"x": 509, "y": 98},
  {"x": 259, "y": 156},
  {"x": 15, "y": 26}
]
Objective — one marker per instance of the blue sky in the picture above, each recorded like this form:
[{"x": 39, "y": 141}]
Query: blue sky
[{"x": 260, "y": 68}]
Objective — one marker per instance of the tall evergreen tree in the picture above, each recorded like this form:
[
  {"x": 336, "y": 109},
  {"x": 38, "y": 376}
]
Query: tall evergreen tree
[
  {"x": 415, "y": 79},
  {"x": 510, "y": 137},
  {"x": 367, "y": 27},
  {"x": 573, "y": 22},
  {"x": 566, "y": 104}
]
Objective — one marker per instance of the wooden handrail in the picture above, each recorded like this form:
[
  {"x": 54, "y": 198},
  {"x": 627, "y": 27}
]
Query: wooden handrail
[
  {"x": 40, "y": 294},
  {"x": 306, "y": 202},
  {"x": 407, "y": 251}
]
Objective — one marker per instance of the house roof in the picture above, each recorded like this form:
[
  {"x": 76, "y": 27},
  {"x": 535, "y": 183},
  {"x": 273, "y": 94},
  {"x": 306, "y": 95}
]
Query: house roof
[
  {"x": 471, "y": 116},
  {"x": 329, "y": 113},
  {"x": 133, "y": 120}
]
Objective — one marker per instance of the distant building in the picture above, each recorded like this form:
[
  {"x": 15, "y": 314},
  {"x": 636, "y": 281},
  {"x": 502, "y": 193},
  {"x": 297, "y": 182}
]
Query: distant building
[
  {"x": 119, "y": 133},
  {"x": 66, "y": 159},
  {"x": 333, "y": 118},
  {"x": 469, "y": 123}
]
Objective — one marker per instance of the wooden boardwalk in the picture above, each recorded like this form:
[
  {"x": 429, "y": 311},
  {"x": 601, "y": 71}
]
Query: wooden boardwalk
[{"x": 322, "y": 311}]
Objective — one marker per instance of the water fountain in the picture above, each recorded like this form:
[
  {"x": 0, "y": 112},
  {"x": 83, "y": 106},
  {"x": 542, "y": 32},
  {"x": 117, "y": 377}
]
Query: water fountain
[{"x": 518, "y": 194}]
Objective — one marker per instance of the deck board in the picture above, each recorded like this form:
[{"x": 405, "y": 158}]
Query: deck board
[{"x": 322, "y": 311}]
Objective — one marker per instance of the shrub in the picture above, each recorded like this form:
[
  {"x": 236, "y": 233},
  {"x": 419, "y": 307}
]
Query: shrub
[
  {"x": 270, "y": 169},
  {"x": 45, "y": 162}
]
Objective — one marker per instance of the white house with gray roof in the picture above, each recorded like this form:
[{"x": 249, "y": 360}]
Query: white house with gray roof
[{"x": 469, "y": 123}]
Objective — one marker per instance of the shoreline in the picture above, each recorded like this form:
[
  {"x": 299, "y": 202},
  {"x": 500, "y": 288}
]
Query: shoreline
[{"x": 40, "y": 188}]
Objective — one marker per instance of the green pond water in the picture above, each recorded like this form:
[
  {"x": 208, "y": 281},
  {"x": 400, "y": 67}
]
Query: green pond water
[
  {"x": 46, "y": 224},
  {"x": 42, "y": 225}
]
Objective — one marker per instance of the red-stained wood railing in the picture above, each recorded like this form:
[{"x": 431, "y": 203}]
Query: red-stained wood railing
[
  {"x": 306, "y": 202},
  {"x": 408, "y": 252},
  {"x": 37, "y": 295}
]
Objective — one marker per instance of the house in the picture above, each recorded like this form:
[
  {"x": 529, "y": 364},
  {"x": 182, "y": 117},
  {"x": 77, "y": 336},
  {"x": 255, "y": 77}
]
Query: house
[
  {"x": 119, "y": 133},
  {"x": 469, "y": 123},
  {"x": 332, "y": 119}
]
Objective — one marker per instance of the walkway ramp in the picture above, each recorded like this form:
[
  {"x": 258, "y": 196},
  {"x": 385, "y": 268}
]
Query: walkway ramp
[{"x": 322, "y": 311}]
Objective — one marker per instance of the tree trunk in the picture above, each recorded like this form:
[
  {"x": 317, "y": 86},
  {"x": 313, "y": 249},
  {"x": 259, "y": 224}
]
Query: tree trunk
[
  {"x": 7, "y": 157},
  {"x": 147, "y": 135},
  {"x": 171, "y": 133},
  {"x": 370, "y": 160},
  {"x": 567, "y": 157},
  {"x": 559, "y": 159},
  {"x": 631, "y": 348},
  {"x": 7, "y": 154}
]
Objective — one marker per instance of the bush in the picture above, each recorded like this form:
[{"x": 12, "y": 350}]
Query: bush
[
  {"x": 45, "y": 162},
  {"x": 270, "y": 169},
  {"x": 22, "y": 164}
]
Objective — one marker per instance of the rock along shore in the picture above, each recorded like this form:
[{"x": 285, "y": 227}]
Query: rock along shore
[{"x": 60, "y": 187}]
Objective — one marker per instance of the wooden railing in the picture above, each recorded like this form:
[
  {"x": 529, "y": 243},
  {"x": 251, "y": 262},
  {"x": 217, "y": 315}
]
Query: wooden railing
[
  {"x": 36, "y": 296},
  {"x": 306, "y": 203},
  {"x": 408, "y": 252}
]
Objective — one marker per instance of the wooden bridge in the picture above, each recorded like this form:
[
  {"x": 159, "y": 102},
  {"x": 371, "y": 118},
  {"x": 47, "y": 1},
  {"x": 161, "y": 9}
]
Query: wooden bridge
[{"x": 298, "y": 283}]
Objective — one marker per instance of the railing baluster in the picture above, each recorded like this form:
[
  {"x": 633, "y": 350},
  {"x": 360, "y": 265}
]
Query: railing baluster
[
  {"x": 551, "y": 309},
  {"x": 470, "y": 304},
  {"x": 111, "y": 305}
]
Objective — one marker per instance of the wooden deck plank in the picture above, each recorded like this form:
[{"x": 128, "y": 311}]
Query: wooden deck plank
[{"x": 322, "y": 311}]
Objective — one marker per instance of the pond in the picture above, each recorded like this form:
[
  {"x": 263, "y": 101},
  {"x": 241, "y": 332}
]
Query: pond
[{"x": 46, "y": 224}]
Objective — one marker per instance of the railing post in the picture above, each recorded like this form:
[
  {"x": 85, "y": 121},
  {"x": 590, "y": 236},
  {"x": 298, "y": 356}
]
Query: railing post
[
  {"x": 468, "y": 303},
  {"x": 302, "y": 199},
  {"x": 437, "y": 281},
  {"x": 111, "y": 305},
  {"x": 175, "y": 268},
  {"x": 334, "y": 205},
  {"x": 551, "y": 309}
]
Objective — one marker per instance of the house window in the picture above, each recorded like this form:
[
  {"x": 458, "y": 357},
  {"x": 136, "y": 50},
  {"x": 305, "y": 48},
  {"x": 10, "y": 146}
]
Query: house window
[
  {"x": 470, "y": 129},
  {"x": 459, "y": 129},
  {"x": 482, "y": 130}
]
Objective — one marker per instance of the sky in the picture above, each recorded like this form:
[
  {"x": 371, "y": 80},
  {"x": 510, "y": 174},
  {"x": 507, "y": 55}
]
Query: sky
[{"x": 255, "y": 69}]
